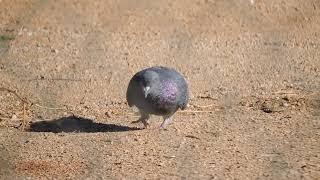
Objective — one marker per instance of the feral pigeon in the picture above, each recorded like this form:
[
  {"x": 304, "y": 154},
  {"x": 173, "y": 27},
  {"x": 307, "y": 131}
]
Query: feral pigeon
[{"x": 157, "y": 90}]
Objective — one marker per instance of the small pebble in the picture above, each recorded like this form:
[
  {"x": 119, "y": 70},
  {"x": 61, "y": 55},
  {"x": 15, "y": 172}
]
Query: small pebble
[
  {"x": 285, "y": 104},
  {"x": 266, "y": 110},
  {"x": 170, "y": 157},
  {"x": 108, "y": 114},
  {"x": 54, "y": 51}
]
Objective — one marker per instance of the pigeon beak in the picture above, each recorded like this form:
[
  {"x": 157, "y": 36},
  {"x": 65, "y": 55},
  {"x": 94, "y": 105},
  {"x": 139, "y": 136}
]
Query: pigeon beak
[{"x": 146, "y": 91}]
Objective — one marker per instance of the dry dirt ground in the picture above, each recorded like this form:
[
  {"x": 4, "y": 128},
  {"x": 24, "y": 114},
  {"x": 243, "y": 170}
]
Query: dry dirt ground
[{"x": 253, "y": 68}]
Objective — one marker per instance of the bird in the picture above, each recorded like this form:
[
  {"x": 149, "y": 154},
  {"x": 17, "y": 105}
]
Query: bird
[{"x": 157, "y": 90}]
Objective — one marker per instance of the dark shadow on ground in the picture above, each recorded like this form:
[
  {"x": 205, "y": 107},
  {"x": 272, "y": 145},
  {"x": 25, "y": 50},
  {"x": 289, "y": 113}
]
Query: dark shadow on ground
[{"x": 76, "y": 124}]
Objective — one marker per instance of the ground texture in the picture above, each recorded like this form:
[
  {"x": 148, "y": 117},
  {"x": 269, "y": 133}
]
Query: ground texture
[{"x": 253, "y": 69}]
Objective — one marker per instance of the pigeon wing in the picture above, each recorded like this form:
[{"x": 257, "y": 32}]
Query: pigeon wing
[{"x": 132, "y": 91}]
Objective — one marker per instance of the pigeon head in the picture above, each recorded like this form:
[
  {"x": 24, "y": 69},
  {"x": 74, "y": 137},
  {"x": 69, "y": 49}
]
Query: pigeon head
[{"x": 149, "y": 82}]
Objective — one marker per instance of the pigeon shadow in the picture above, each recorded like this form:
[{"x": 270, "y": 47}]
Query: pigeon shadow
[{"x": 77, "y": 125}]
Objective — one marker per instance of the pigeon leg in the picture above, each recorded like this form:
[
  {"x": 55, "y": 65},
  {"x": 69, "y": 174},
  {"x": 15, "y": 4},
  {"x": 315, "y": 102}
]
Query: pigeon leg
[
  {"x": 144, "y": 119},
  {"x": 167, "y": 120},
  {"x": 145, "y": 123}
]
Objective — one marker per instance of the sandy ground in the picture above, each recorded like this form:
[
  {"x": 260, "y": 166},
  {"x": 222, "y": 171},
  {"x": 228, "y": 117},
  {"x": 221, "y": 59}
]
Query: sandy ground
[{"x": 253, "y": 69}]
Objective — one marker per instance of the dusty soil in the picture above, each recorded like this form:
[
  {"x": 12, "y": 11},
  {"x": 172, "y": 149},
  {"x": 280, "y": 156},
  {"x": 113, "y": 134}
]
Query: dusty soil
[{"x": 253, "y": 68}]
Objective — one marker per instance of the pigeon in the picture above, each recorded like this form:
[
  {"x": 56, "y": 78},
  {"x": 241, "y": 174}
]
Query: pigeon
[{"x": 157, "y": 91}]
